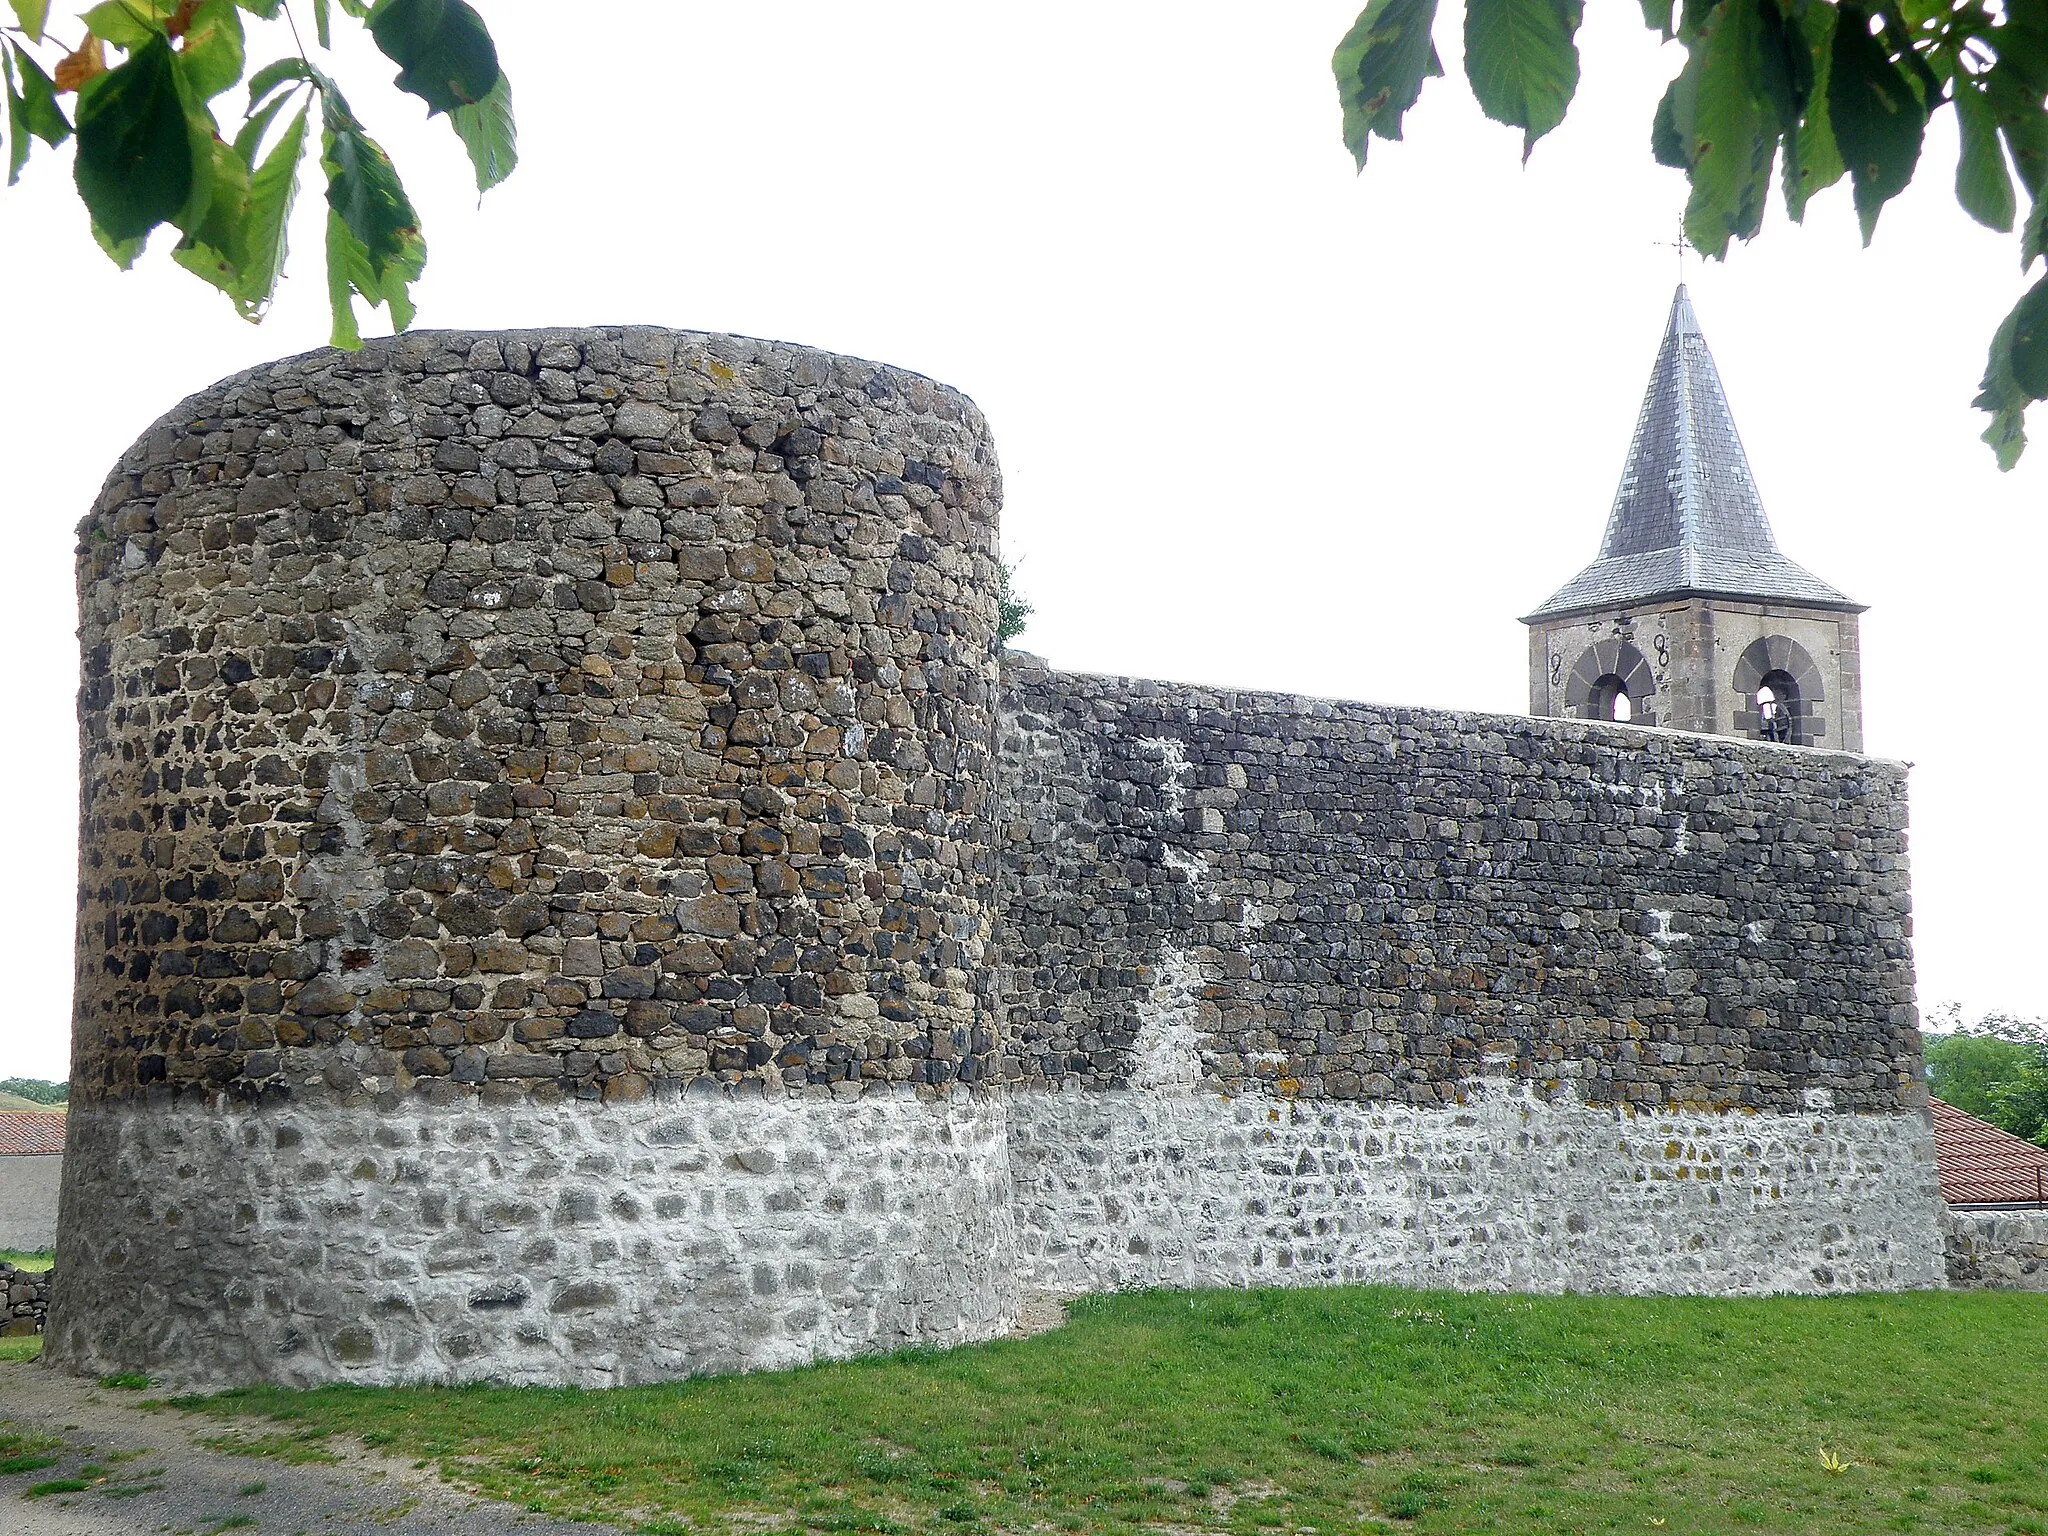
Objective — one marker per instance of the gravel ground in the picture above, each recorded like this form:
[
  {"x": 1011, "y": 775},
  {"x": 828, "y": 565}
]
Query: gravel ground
[{"x": 152, "y": 1478}]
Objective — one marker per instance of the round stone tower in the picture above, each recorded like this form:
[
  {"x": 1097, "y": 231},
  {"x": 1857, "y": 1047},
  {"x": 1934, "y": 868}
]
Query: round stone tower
[{"x": 535, "y": 869}]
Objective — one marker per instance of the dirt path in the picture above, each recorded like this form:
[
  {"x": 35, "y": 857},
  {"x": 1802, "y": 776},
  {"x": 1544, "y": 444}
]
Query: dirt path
[{"x": 146, "y": 1474}]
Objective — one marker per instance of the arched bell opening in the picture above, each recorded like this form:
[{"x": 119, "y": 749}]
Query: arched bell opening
[
  {"x": 1612, "y": 681},
  {"x": 1778, "y": 690}
]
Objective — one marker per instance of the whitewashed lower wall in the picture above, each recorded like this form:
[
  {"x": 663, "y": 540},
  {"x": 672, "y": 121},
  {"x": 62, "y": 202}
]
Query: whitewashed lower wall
[
  {"x": 577, "y": 1244},
  {"x": 607, "y": 1245},
  {"x": 1506, "y": 1192}
]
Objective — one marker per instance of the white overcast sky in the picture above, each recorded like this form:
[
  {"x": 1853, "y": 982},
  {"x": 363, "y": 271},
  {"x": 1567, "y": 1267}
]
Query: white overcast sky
[{"x": 1262, "y": 420}]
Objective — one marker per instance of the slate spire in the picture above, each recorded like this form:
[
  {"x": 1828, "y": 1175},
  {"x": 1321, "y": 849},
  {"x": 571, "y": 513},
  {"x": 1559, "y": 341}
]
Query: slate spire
[{"x": 1686, "y": 517}]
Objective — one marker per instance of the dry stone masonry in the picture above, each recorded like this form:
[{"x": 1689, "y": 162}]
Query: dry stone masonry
[
  {"x": 552, "y": 807},
  {"x": 24, "y": 1300},
  {"x": 1997, "y": 1250}
]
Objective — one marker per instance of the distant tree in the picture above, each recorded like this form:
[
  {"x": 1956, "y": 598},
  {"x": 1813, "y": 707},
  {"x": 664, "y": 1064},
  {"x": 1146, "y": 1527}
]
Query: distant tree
[
  {"x": 1012, "y": 611},
  {"x": 2021, "y": 1101},
  {"x": 1995, "y": 1068},
  {"x": 1964, "y": 1069},
  {"x": 150, "y": 151},
  {"x": 1839, "y": 88},
  {"x": 35, "y": 1090}
]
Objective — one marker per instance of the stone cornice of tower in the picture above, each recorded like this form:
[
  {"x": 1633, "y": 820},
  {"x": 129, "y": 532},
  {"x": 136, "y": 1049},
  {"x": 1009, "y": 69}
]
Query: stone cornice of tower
[{"x": 1687, "y": 519}]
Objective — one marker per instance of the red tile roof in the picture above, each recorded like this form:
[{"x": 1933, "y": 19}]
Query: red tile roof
[
  {"x": 1982, "y": 1165},
  {"x": 31, "y": 1133}
]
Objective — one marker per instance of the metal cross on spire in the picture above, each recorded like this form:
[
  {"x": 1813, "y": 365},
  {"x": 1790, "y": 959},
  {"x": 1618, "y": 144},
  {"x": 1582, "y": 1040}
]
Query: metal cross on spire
[{"x": 1679, "y": 246}]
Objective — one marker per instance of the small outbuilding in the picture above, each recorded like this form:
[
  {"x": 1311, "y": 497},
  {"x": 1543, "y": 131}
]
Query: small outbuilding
[
  {"x": 1996, "y": 1186},
  {"x": 1984, "y": 1168},
  {"x": 31, "y": 1160}
]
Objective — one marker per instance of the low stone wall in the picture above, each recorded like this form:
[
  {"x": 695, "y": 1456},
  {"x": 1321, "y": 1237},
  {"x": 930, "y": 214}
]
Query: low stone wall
[
  {"x": 24, "y": 1300},
  {"x": 1506, "y": 1191},
  {"x": 1997, "y": 1250}
]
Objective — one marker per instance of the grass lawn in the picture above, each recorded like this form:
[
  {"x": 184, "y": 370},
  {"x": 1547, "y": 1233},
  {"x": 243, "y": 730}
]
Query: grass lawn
[
  {"x": 1289, "y": 1411},
  {"x": 37, "y": 1261},
  {"x": 22, "y": 1347}
]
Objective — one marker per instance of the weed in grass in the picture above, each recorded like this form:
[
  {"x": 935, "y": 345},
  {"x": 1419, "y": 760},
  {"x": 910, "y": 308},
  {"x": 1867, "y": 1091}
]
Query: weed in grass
[
  {"x": 12, "y": 1466},
  {"x": 126, "y": 1382},
  {"x": 1327, "y": 1446},
  {"x": 302, "y": 1447},
  {"x": 250, "y": 1490},
  {"x": 59, "y": 1485},
  {"x": 145, "y": 1482}
]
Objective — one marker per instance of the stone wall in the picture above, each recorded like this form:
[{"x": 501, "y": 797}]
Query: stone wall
[
  {"x": 1342, "y": 901},
  {"x": 28, "y": 1202},
  {"x": 1997, "y": 1250},
  {"x": 24, "y": 1300},
  {"x": 1302, "y": 991}
]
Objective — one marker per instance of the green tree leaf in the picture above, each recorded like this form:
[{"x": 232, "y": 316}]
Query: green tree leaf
[
  {"x": 1877, "y": 114},
  {"x": 444, "y": 52},
  {"x": 1812, "y": 162},
  {"x": 249, "y": 138},
  {"x": 2034, "y": 234},
  {"x": 1730, "y": 128},
  {"x": 2029, "y": 341},
  {"x": 1523, "y": 61},
  {"x": 46, "y": 119},
  {"x": 213, "y": 245},
  {"x": 134, "y": 167},
  {"x": 1657, "y": 17},
  {"x": 121, "y": 252},
  {"x": 2017, "y": 104},
  {"x": 1667, "y": 144},
  {"x": 272, "y": 189},
  {"x": 274, "y": 74},
  {"x": 1983, "y": 185},
  {"x": 349, "y": 272},
  {"x": 32, "y": 15},
  {"x": 363, "y": 186},
  {"x": 31, "y": 109},
  {"x": 487, "y": 132},
  {"x": 17, "y": 122},
  {"x": 211, "y": 58},
  {"x": 128, "y": 24},
  {"x": 2002, "y": 394},
  {"x": 1380, "y": 66},
  {"x": 374, "y": 246}
]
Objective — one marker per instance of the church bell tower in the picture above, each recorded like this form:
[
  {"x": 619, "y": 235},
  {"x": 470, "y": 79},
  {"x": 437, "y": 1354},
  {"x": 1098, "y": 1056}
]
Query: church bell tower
[{"x": 1690, "y": 618}]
